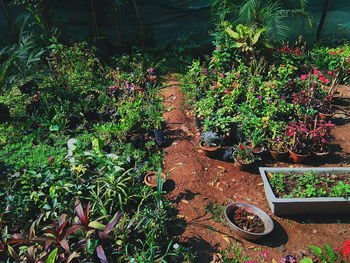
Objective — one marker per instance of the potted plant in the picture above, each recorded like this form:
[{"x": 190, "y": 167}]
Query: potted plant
[
  {"x": 256, "y": 140},
  {"x": 324, "y": 107},
  {"x": 244, "y": 157},
  {"x": 278, "y": 149},
  {"x": 320, "y": 137},
  {"x": 210, "y": 142},
  {"x": 301, "y": 143}
]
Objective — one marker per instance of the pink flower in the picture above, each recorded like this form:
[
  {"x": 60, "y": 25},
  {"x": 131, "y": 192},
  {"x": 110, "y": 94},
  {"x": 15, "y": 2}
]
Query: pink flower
[
  {"x": 265, "y": 254},
  {"x": 270, "y": 101},
  {"x": 316, "y": 71},
  {"x": 249, "y": 261},
  {"x": 347, "y": 60},
  {"x": 50, "y": 159},
  {"x": 330, "y": 72},
  {"x": 332, "y": 52},
  {"x": 303, "y": 77}
]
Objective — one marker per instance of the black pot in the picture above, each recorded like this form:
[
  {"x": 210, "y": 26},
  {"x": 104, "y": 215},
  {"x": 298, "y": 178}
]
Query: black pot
[
  {"x": 159, "y": 137},
  {"x": 28, "y": 87},
  {"x": 4, "y": 113}
]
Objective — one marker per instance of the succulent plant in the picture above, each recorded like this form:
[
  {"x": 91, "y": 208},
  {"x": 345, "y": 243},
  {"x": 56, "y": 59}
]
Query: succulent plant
[{"x": 210, "y": 139}]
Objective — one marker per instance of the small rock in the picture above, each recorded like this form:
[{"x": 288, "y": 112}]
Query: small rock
[
  {"x": 206, "y": 169},
  {"x": 314, "y": 231}
]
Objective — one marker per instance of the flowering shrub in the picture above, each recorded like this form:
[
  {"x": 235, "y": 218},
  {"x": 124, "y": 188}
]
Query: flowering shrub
[{"x": 344, "y": 249}]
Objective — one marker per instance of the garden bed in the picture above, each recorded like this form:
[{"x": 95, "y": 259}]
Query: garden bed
[{"x": 324, "y": 182}]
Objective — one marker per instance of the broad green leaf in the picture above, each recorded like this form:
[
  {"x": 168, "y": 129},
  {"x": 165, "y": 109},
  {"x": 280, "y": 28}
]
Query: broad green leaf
[
  {"x": 257, "y": 36},
  {"x": 51, "y": 258},
  {"x": 316, "y": 250},
  {"x": 97, "y": 225},
  {"x": 231, "y": 33},
  {"x": 306, "y": 260}
]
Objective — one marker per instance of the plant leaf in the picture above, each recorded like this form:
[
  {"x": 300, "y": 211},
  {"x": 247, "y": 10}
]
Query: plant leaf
[
  {"x": 101, "y": 254},
  {"x": 316, "y": 250},
  {"x": 97, "y": 225},
  {"x": 52, "y": 256},
  {"x": 306, "y": 260}
]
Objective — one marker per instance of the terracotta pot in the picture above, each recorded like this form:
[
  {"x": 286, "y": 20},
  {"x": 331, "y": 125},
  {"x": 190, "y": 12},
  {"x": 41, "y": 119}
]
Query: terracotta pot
[
  {"x": 257, "y": 151},
  {"x": 279, "y": 156},
  {"x": 298, "y": 158},
  {"x": 209, "y": 151},
  {"x": 244, "y": 166},
  {"x": 325, "y": 117},
  {"x": 150, "y": 179}
]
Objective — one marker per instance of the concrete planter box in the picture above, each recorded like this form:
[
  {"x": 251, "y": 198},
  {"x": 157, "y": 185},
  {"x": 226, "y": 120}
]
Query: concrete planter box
[{"x": 303, "y": 206}]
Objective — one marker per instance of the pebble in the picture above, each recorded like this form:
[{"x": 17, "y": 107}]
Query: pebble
[{"x": 314, "y": 231}]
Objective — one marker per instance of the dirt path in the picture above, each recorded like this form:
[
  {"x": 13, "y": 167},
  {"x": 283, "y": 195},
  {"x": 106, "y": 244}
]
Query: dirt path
[{"x": 200, "y": 180}]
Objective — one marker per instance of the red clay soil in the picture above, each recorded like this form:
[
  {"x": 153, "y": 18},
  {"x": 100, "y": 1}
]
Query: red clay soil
[{"x": 200, "y": 180}]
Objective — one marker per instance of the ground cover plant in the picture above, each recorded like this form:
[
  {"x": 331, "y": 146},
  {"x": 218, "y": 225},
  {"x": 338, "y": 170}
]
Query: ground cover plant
[
  {"x": 310, "y": 184},
  {"x": 75, "y": 144}
]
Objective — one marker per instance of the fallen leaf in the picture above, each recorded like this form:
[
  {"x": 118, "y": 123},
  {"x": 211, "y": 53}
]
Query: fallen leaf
[
  {"x": 181, "y": 216},
  {"x": 274, "y": 261},
  {"x": 220, "y": 167},
  {"x": 179, "y": 163},
  {"x": 184, "y": 201},
  {"x": 226, "y": 239},
  {"x": 260, "y": 184},
  {"x": 251, "y": 247}
]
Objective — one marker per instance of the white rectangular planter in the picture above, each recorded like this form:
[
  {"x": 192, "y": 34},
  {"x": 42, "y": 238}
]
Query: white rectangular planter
[{"x": 303, "y": 206}]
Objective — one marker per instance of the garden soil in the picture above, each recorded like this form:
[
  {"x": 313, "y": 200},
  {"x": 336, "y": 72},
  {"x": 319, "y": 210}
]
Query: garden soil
[{"x": 198, "y": 180}]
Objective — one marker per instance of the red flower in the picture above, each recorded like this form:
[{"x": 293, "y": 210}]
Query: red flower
[
  {"x": 283, "y": 66},
  {"x": 303, "y": 77},
  {"x": 316, "y": 71},
  {"x": 332, "y": 52},
  {"x": 242, "y": 147},
  {"x": 227, "y": 91},
  {"x": 345, "y": 249},
  {"x": 235, "y": 85},
  {"x": 347, "y": 60},
  {"x": 324, "y": 80},
  {"x": 341, "y": 51},
  {"x": 330, "y": 72}
]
